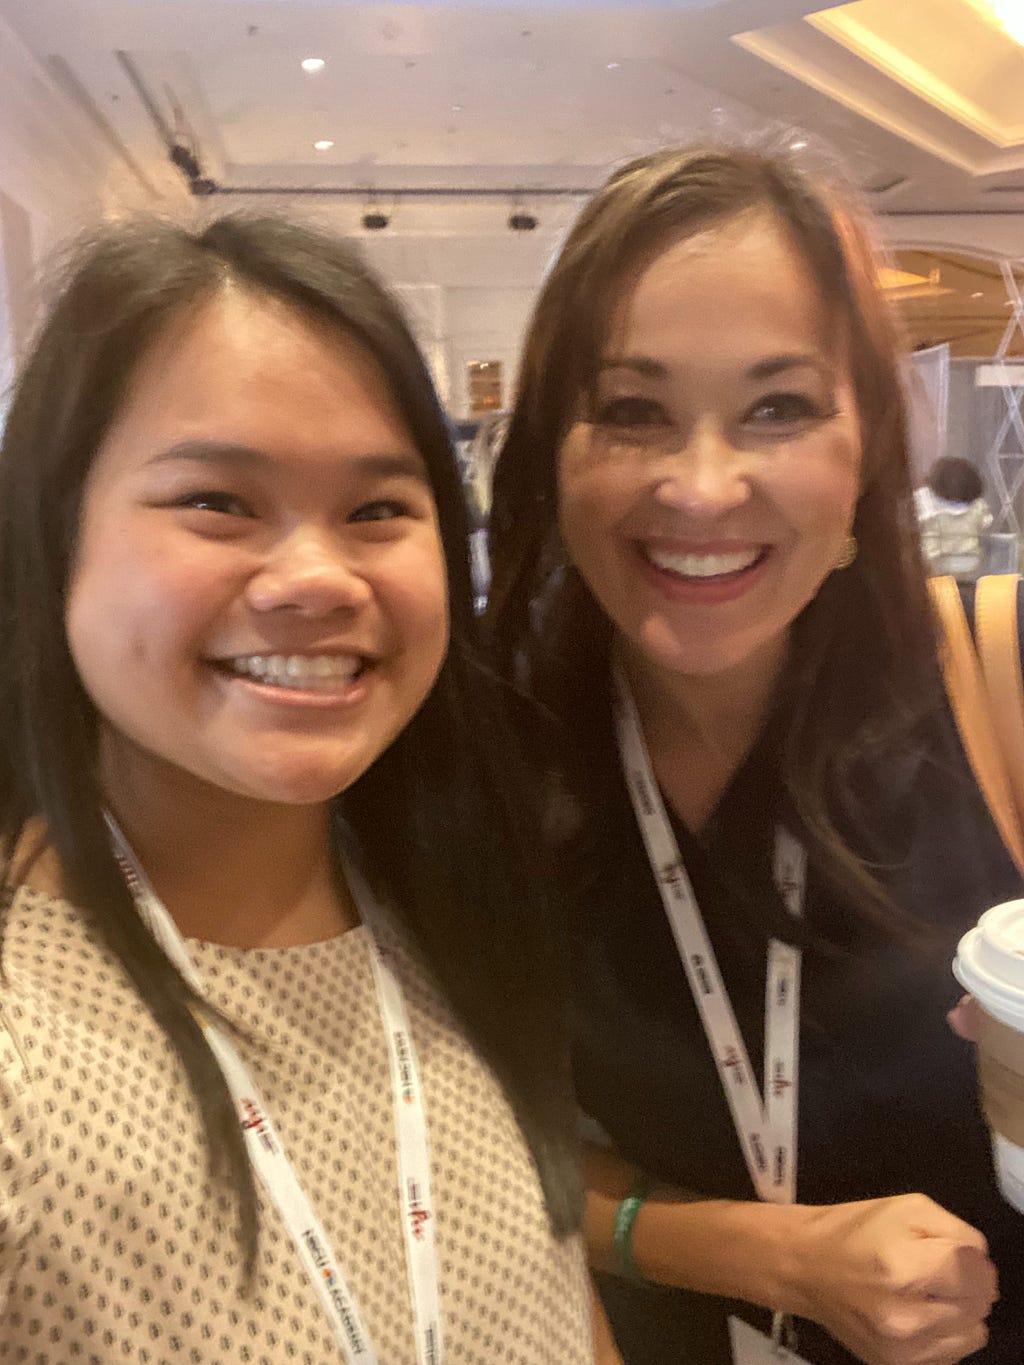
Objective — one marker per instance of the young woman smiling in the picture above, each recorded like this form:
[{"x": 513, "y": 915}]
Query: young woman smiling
[
  {"x": 705, "y": 567},
  {"x": 282, "y": 1072}
]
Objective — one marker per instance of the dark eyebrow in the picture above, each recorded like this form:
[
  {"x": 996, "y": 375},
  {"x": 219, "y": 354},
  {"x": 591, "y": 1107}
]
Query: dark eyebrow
[
  {"x": 763, "y": 369},
  {"x": 641, "y": 364},
  {"x": 777, "y": 364},
  {"x": 374, "y": 464}
]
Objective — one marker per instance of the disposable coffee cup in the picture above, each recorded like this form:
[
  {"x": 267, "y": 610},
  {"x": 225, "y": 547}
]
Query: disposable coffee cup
[{"x": 990, "y": 965}]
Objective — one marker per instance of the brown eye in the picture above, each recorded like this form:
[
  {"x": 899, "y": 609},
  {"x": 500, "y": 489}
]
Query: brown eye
[
  {"x": 631, "y": 412},
  {"x": 215, "y": 500},
  {"x": 785, "y": 409},
  {"x": 382, "y": 509}
]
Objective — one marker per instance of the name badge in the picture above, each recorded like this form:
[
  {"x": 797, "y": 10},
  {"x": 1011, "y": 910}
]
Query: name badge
[{"x": 751, "y": 1347}]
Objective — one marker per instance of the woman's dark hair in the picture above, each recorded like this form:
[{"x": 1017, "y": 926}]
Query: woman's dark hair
[
  {"x": 955, "y": 480},
  {"x": 862, "y": 665},
  {"x": 439, "y": 815}
]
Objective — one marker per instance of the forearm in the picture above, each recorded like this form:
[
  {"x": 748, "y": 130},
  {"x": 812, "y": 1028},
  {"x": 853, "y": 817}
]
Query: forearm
[
  {"x": 735, "y": 1248},
  {"x": 887, "y": 1277}
]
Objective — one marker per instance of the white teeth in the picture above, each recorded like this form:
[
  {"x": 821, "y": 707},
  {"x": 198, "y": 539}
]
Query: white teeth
[
  {"x": 311, "y": 672},
  {"x": 703, "y": 566}
]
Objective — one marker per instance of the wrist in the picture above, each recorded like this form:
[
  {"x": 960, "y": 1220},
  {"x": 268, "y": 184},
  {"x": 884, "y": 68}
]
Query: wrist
[
  {"x": 626, "y": 1215},
  {"x": 741, "y": 1249},
  {"x": 797, "y": 1260}
]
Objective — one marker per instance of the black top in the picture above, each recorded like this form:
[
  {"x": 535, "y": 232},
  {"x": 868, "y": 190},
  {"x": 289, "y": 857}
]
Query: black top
[{"x": 888, "y": 1100}]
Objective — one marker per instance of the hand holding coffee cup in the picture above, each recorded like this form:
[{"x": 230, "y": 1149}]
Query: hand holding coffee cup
[
  {"x": 899, "y": 1281},
  {"x": 990, "y": 965}
]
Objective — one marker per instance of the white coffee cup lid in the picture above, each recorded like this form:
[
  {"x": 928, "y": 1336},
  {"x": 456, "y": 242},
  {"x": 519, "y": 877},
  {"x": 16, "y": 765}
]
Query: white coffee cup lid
[{"x": 990, "y": 962}]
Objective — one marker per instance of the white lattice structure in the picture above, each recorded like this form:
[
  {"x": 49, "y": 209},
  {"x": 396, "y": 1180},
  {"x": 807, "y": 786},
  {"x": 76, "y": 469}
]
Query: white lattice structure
[{"x": 1004, "y": 460}]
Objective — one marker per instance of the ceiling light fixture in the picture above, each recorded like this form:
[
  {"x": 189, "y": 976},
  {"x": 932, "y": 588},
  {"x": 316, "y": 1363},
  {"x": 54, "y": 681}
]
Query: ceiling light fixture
[
  {"x": 324, "y": 145},
  {"x": 612, "y": 66},
  {"x": 903, "y": 285},
  {"x": 977, "y": 294},
  {"x": 1005, "y": 14},
  {"x": 311, "y": 65}
]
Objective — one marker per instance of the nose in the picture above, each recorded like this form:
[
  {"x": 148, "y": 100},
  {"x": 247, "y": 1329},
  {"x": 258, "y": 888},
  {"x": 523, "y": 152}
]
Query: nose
[
  {"x": 706, "y": 477},
  {"x": 310, "y": 574}
]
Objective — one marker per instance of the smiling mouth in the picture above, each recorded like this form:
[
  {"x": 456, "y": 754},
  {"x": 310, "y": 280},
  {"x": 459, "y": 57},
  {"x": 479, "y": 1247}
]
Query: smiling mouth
[
  {"x": 693, "y": 567},
  {"x": 300, "y": 672}
]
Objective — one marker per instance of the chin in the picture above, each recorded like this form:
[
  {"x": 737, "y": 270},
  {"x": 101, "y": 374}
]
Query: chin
[
  {"x": 306, "y": 773},
  {"x": 295, "y": 787},
  {"x": 699, "y": 659}
]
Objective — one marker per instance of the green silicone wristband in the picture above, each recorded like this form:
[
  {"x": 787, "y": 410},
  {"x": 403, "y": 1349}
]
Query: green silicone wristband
[{"x": 622, "y": 1236}]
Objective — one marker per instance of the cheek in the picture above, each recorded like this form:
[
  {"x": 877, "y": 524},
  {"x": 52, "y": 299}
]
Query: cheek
[
  {"x": 417, "y": 591},
  {"x": 130, "y": 598},
  {"x": 819, "y": 495},
  {"x": 831, "y": 499},
  {"x": 593, "y": 497}
]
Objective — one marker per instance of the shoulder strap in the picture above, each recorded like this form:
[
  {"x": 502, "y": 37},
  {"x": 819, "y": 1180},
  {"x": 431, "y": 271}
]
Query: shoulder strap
[
  {"x": 972, "y": 707},
  {"x": 997, "y": 635}
]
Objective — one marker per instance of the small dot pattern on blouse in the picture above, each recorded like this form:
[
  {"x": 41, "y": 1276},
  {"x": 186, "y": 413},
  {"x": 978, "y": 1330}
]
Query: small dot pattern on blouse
[{"x": 114, "y": 1244}]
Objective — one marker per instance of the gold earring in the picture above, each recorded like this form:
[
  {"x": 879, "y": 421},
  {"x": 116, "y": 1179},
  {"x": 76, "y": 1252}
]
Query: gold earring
[{"x": 848, "y": 553}]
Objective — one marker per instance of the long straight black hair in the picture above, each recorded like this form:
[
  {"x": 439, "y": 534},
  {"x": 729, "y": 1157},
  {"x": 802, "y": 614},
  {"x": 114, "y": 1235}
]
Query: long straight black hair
[{"x": 440, "y": 815}]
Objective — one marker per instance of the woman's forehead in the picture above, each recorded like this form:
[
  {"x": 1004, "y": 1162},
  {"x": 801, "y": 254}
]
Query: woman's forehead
[{"x": 746, "y": 294}]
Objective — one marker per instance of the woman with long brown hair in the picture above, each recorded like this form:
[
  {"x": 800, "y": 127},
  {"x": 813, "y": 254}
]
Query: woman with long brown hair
[{"x": 705, "y": 569}]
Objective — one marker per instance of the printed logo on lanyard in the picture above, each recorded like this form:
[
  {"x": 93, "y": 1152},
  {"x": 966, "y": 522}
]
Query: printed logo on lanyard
[
  {"x": 270, "y": 1161},
  {"x": 766, "y": 1125}
]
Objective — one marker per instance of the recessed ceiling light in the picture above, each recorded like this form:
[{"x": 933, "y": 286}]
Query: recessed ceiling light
[
  {"x": 324, "y": 145},
  {"x": 977, "y": 294},
  {"x": 612, "y": 66},
  {"x": 456, "y": 108},
  {"x": 311, "y": 65},
  {"x": 1004, "y": 14}
]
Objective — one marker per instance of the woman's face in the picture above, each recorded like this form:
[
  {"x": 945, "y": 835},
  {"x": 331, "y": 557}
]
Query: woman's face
[
  {"x": 708, "y": 489},
  {"x": 259, "y": 598}
]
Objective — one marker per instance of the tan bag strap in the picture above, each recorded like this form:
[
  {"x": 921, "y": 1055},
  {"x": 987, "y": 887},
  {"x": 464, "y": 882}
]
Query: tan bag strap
[
  {"x": 973, "y": 709},
  {"x": 997, "y": 637}
]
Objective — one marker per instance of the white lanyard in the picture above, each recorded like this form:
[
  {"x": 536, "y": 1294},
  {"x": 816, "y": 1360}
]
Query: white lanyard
[
  {"x": 270, "y": 1161},
  {"x": 766, "y": 1127}
]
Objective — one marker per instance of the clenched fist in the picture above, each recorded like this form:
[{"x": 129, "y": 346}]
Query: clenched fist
[{"x": 898, "y": 1281}]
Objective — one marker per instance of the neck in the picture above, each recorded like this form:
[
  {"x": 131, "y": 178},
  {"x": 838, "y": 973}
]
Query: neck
[
  {"x": 244, "y": 873},
  {"x": 699, "y": 728}
]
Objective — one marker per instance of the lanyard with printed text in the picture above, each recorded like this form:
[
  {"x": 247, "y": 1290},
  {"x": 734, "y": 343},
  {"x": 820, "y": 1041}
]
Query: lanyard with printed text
[
  {"x": 270, "y": 1161},
  {"x": 766, "y": 1126}
]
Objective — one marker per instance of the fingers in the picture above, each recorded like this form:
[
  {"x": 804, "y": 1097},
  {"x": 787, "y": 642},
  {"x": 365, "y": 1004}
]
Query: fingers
[
  {"x": 916, "y": 1283},
  {"x": 939, "y": 1314},
  {"x": 961, "y": 1275},
  {"x": 929, "y": 1221},
  {"x": 963, "y": 1019},
  {"x": 925, "y": 1334}
]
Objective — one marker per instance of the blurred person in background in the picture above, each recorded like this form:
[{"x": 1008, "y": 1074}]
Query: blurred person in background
[{"x": 953, "y": 515}]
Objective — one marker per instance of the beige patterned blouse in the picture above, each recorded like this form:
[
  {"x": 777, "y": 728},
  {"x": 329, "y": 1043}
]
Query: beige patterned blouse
[{"x": 115, "y": 1247}]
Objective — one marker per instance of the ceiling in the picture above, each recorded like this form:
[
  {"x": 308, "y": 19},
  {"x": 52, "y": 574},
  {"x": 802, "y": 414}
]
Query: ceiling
[
  {"x": 923, "y": 99},
  {"x": 944, "y": 296},
  {"x": 448, "y": 117}
]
